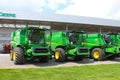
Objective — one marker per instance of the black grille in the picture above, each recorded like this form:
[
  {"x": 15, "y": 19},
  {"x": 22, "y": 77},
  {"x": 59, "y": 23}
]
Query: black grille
[
  {"x": 119, "y": 49},
  {"x": 40, "y": 50},
  {"x": 81, "y": 50}
]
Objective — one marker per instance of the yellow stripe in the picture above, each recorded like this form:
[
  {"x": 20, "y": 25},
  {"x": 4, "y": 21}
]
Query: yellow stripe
[
  {"x": 53, "y": 43},
  {"x": 82, "y": 43},
  {"x": 89, "y": 43}
]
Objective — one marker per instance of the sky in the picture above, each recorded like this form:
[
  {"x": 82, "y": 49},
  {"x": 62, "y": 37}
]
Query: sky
[{"x": 92, "y": 8}]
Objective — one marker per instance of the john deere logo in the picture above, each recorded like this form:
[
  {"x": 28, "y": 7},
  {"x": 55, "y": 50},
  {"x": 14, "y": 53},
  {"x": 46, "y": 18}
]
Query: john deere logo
[{"x": 7, "y": 14}]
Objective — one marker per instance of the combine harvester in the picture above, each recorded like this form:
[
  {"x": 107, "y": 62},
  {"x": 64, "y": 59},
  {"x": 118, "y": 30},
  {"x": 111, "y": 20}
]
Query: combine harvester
[
  {"x": 67, "y": 45},
  {"x": 28, "y": 44},
  {"x": 102, "y": 46}
]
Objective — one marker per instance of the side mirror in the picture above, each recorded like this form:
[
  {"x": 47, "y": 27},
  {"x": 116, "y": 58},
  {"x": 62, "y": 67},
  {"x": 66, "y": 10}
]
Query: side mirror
[
  {"x": 29, "y": 41},
  {"x": 71, "y": 42}
]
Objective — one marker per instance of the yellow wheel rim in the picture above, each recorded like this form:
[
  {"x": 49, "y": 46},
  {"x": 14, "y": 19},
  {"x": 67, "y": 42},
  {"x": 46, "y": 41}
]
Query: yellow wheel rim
[
  {"x": 96, "y": 54},
  {"x": 57, "y": 55},
  {"x": 14, "y": 56},
  {"x": 11, "y": 55}
]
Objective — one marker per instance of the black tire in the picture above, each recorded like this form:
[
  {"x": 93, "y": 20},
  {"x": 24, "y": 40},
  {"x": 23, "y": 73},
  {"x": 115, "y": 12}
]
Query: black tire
[
  {"x": 61, "y": 55},
  {"x": 111, "y": 57},
  {"x": 44, "y": 59},
  {"x": 18, "y": 56},
  {"x": 11, "y": 55},
  {"x": 100, "y": 54}
]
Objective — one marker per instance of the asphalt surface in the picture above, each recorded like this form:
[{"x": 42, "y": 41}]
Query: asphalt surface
[{"x": 5, "y": 62}]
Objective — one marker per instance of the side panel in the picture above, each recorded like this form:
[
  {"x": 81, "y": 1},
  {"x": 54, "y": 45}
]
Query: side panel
[
  {"x": 93, "y": 40},
  {"x": 18, "y": 37},
  {"x": 14, "y": 39},
  {"x": 113, "y": 49},
  {"x": 114, "y": 39},
  {"x": 23, "y": 36},
  {"x": 57, "y": 39}
]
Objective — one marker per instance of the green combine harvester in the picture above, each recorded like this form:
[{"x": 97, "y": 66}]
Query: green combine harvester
[
  {"x": 29, "y": 43},
  {"x": 67, "y": 45},
  {"x": 102, "y": 46}
]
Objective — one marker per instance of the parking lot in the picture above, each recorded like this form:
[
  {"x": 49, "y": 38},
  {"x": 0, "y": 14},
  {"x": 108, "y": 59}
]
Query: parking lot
[{"x": 6, "y": 63}]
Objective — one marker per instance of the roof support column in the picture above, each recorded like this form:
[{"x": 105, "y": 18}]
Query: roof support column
[
  {"x": 67, "y": 27},
  {"x": 26, "y": 24},
  {"x": 100, "y": 30}
]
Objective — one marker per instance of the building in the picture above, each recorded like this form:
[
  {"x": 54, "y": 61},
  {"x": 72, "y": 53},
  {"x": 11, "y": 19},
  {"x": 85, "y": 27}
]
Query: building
[{"x": 12, "y": 21}]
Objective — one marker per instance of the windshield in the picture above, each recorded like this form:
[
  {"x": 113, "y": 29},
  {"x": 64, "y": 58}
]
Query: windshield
[
  {"x": 36, "y": 36},
  {"x": 111, "y": 38},
  {"x": 73, "y": 37},
  {"x": 107, "y": 38}
]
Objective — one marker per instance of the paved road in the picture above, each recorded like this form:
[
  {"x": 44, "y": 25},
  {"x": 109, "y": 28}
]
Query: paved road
[{"x": 6, "y": 63}]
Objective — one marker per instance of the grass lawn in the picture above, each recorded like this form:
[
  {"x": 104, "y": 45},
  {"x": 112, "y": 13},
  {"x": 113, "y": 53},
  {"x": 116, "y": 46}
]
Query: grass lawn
[{"x": 90, "y": 72}]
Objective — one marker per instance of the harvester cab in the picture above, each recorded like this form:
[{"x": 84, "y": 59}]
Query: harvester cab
[
  {"x": 112, "y": 38},
  {"x": 36, "y": 36},
  {"x": 75, "y": 37}
]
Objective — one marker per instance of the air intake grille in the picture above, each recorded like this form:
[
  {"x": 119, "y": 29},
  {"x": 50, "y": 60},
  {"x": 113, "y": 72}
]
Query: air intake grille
[
  {"x": 119, "y": 49},
  {"x": 81, "y": 50},
  {"x": 40, "y": 50}
]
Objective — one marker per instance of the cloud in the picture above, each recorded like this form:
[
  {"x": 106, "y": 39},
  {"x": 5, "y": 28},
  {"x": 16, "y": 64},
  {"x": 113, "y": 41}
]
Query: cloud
[
  {"x": 31, "y": 5},
  {"x": 54, "y": 4},
  {"x": 93, "y": 8}
]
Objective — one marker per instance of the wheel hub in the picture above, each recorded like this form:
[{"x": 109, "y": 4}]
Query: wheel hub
[
  {"x": 14, "y": 56},
  {"x": 96, "y": 54},
  {"x": 57, "y": 55}
]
